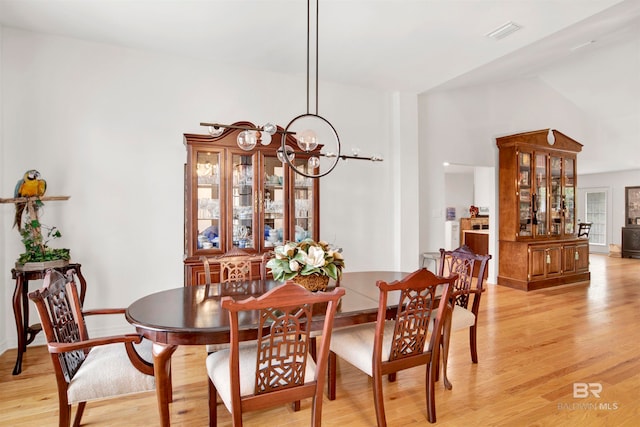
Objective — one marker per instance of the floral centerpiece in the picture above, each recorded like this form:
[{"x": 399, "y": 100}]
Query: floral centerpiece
[{"x": 306, "y": 261}]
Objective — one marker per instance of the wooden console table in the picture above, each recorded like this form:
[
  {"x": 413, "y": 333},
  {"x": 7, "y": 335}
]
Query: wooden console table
[{"x": 26, "y": 332}]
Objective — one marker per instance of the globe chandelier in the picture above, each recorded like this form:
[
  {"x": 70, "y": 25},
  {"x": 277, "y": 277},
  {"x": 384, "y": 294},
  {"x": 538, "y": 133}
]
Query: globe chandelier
[{"x": 310, "y": 129}]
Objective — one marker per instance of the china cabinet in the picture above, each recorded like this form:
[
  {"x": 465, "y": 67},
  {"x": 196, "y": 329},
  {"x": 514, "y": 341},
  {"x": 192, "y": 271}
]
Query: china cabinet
[
  {"x": 631, "y": 230},
  {"x": 248, "y": 200},
  {"x": 538, "y": 240}
]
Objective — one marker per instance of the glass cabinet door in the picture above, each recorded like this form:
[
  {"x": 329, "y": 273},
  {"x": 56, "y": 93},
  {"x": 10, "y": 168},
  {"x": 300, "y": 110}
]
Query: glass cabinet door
[
  {"x": 540, "y": 197},
  {"x": 524, "y": 193},
  {"x": 632, "y": 206},
  {"x": 208, "y": 200},
  {"x": 569, "y": 196},
  {"x": 303, "y": 202},
  {"x": 243, "y": 201},
  {"x": 273, "y": 203},
  {"x": 556, "y": 207}
]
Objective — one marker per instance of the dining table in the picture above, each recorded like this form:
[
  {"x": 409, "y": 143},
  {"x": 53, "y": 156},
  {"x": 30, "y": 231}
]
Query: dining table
[{"x": 192, "y": 315}]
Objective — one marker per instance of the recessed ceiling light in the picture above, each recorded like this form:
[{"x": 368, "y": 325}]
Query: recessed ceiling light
[{"x": 504, "y": 30}]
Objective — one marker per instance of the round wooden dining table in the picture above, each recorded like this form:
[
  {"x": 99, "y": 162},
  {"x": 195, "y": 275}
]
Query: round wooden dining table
[{"x": 192, "y": 315}]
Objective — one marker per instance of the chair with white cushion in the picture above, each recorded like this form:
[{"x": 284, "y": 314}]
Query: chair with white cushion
[
  {"x": 410, "y": 339},
  {"x": 277, "y": 368},
  {"x": 87, "y": 368},
  {"x": 470, "y": 268}
]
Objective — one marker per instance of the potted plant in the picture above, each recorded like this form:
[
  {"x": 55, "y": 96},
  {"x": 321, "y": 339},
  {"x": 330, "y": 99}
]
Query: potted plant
[
  {"x": 309, "y": 263},
  {"x": 38, "y": 255}
]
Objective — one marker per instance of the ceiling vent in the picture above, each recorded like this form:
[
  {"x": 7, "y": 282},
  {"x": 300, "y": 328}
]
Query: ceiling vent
[{"x": 504, "y": 30}]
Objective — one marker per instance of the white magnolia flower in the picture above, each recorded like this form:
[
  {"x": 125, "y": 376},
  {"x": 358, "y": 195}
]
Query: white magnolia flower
[
  {"x": 293, "y": 265},
  {"x": 315, "y": 257}
]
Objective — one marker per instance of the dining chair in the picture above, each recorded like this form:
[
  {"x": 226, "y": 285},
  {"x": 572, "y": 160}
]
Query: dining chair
[
  {"x": 583, "y": 229},
  {"x": 470, "y": 268},
  {"x": 277, "y": 368},
  {"x": 235, "y": 267},
  {"x": 86, "y": 368},
  {"x": 408, "y": 340}
]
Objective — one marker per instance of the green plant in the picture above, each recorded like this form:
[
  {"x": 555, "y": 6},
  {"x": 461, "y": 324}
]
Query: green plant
[
  {"x": 35, "y": 244},
  {"x": 305, "y": 258}
]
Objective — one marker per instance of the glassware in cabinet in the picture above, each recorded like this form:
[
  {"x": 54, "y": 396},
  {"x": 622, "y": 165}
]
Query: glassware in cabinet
[
  {"x": 207, "y": 172},
  {"x": 540, "y": 196},
  {"x": 243, "y": 201},
  {"x": 274, "y": 200},
  {"x": 569, "y": 196},
  {"x": 524, "y": 194},
  {"x": 304, "y": 201}
]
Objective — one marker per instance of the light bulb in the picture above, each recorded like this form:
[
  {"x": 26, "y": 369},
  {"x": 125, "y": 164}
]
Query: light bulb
[
  {"x": 264, "y": 137},
  {"x": 247, "y": 140},
  {"x": 307, "y": 140},
  {"x": 313, "y": 162},
  {"x": 290, "y": 154},
  {"x": 216, "y": 130},
  {"x": 270, "y": 128}
]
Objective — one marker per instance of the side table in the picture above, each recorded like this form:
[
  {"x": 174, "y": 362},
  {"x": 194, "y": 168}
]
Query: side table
[{"x": 26, "y": 332}]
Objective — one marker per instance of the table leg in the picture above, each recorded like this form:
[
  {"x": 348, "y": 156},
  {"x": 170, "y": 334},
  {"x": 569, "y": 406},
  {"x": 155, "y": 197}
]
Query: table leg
[
  {"x": 21, "y": 323},
  {"x": 162, "y": 372}
]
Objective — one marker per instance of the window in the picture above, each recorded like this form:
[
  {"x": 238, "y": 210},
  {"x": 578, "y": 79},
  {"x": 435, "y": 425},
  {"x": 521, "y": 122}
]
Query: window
[{"x": 596, "y": 213}]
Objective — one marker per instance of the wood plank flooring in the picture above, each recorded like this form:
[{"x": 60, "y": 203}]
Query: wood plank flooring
[{"x": 532, "y": 348}]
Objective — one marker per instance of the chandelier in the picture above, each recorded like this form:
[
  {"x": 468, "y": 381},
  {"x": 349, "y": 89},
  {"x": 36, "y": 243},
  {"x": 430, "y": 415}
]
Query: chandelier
[{"x": 310, "y": 130}]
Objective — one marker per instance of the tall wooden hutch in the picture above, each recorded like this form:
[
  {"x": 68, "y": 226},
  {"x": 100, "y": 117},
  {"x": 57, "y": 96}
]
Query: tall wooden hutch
[
  {"x": 538, "y": 240},
  {"x": 240, "y": 199},
  {"x": 631, "y": 229}
]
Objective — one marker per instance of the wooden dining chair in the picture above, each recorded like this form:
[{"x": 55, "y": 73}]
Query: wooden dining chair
[
  {"x": 406, "y": 341},
  {"x": 87, "y": 368},
  {"x": 583, "y": 229},
  {"x": 470, "y": 269},
  {"x": 277, "y": 368},
  {"x": 235, "y": 267}
]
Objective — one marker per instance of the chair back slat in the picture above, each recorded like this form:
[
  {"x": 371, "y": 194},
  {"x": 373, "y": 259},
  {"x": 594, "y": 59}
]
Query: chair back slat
[
  {"x": 282, "y": 351},
  {"x": 422, "y": 294},
  {"x": 467, "y": 265},
  {"x": 58, "y": 306}
]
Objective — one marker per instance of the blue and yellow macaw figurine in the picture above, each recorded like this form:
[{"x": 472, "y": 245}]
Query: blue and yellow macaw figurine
[{"x": 29, "y": 186}]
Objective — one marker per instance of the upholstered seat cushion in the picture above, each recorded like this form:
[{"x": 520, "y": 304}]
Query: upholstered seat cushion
[
  {"x": 460, "y": 319},
  {"x": 107, "y": 371},
  {"x": 355, "y": 344},
  {"x": 218, "y": 370}
]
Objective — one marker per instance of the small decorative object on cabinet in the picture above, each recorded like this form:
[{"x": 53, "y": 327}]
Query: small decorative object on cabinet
[
  {"x": 538, "y": 240},
  {"x": 308, "y": 263},
  {"x": 631, "y": 230},
  {"x": 244, "y": 199}
]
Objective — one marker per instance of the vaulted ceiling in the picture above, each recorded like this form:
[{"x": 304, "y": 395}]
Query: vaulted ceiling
[{"x": 413, "y": 46}]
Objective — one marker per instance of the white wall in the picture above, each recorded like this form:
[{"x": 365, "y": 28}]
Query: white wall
[
  {"x": 459, "y": 192},
  {"x": 614, "y": 184},
  {"x": 104, "y": 125}
]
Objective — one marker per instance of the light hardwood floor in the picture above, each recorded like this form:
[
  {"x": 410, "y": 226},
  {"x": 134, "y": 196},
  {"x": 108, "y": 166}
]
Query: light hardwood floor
[{"x": 533, "y": 347}]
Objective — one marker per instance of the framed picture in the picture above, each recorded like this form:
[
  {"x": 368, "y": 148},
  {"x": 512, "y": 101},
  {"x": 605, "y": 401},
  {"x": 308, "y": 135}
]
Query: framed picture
[
  {"x": 451, "y": 214},
  {"x": 524, "y": 178}
]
